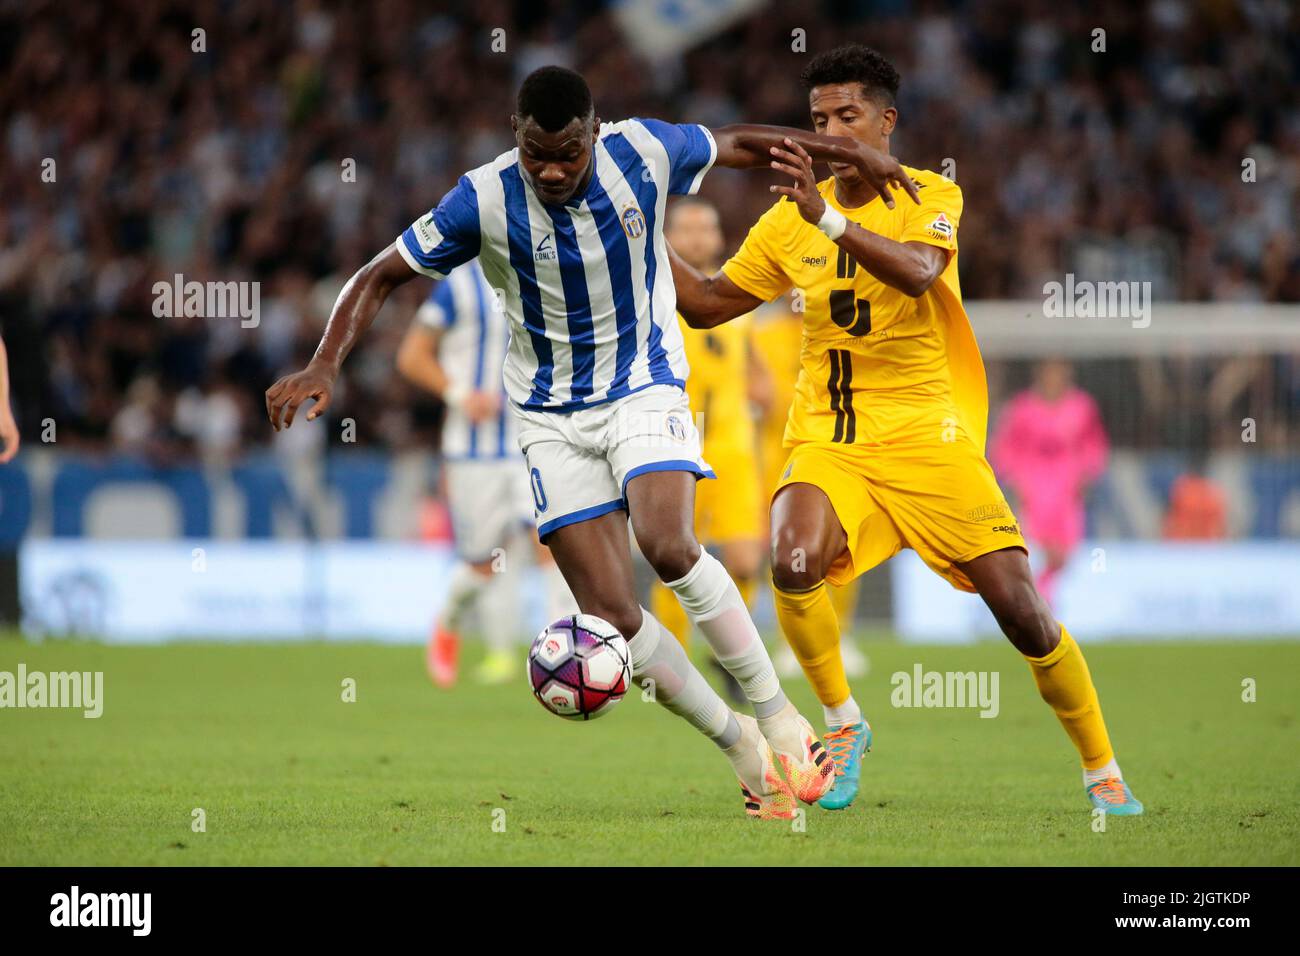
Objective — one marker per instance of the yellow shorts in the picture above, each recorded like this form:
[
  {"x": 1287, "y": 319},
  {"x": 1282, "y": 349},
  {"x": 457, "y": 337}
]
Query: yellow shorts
[
  {"x": 938, "y": 498},
  {"x": 730, "y": 508}
]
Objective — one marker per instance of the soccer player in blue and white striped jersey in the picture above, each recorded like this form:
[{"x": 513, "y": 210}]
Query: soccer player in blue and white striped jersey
[
  {"x": 455, "y": 348},
  {"x": 569, "y": 226}
]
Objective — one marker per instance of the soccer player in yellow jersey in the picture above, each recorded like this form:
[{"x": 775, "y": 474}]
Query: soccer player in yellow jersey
[
  {"x": 886, "y": 434},
  {"x": 729, "y": 512}
]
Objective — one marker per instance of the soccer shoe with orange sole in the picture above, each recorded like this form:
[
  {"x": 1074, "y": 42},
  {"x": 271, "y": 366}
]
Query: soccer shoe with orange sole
[
  {"x": 1114, "y": 796},
  {"x": 442, "y": 656},
  {"x": 767, "y": 796},
  {"x": 800, "y": 752}
]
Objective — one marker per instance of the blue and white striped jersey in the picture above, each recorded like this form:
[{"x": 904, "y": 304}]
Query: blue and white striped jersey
[
  {"x": 471, "y": 351},
  {"x": 586, "y": 285}
]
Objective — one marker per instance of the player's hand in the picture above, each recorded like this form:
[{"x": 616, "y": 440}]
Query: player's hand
[
  {"x": 883, "y": 172},
  {"x": 8, "y": 435},
  {"x": 284, "y": 397},
  {"x": 480, "y": 406},
  {"x": 795, "y": 161}
]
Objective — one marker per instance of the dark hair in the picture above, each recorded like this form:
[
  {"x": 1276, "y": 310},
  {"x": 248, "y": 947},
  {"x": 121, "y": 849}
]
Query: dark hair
[
  {"x": 854, "y": 63},
  {"x": 553, "y": 97}
]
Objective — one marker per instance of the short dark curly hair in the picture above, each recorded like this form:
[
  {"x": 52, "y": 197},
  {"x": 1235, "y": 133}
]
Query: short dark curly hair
[
  {"x": 854, "y": 63},
  {"x": 554, "y": 96}
]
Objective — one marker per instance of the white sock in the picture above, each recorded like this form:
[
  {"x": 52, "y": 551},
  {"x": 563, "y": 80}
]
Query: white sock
[
  {"x": 842, "y": 714},
  {"x": 500, "y": 620},
  {"x": 1102, "y": 773},
  {"x": 677, "y": 684},
  {"x": 465, "y": 587},
  {"x": 714, "y": 605}
]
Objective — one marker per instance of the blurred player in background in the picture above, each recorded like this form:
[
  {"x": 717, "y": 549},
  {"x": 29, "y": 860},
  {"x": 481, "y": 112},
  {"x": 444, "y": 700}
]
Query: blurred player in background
[
  {"x": 887, "y": 429},
  {"x": 778, "y": 341},
  {"x": 454, "y": 349},
  {"x": 1198, "y": 506},
  {"x": 725, "y": 372},
  {"x": 1049, "y": 447}
]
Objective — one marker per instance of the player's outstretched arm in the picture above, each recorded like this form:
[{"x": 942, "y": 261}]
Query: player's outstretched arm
[
  {"x": 707, "y": 301},
  {"x": 910, "y": 267},
  {"x": 749, "y": 146},
  {"x": 357, "y": 306}
]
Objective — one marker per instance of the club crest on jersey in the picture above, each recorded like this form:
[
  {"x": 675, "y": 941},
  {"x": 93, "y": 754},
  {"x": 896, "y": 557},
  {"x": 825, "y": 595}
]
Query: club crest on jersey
[
  {"x": 633, "y": 222},
  {"x": 941, "y": 227}
]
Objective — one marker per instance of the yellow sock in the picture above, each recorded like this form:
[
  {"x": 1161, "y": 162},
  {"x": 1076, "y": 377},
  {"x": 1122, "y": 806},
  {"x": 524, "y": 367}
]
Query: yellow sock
[
  {"x": 746, "y": 587},
  {"x": 809, "y": 623},
  {"x": 1064, "y": 682},
  {"x": 665, "y": 606},
  {"x": 845, "y": 600}
]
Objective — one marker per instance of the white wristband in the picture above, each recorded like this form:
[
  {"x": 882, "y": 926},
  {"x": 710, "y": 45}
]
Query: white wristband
[
  {"x": 832, "y": 223},
  {"x": 454, "y": 395}
]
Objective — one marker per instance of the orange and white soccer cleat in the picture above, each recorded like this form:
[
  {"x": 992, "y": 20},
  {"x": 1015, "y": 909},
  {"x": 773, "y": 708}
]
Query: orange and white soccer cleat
[
  {"x": 1114, "y": 796},
  {"x": 800, "y": 752},
  {"x": 442, "y": 656},
  {"x": 767, "y": 796}
]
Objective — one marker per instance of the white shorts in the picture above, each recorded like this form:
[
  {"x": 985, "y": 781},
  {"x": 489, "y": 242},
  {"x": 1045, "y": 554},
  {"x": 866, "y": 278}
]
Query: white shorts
[
  {"x": 489, "y": 502},
  {"x": 580, "y": 462}
]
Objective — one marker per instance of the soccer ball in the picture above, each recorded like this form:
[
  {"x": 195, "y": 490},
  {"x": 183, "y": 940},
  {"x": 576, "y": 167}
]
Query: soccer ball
[{"x": 579, "y": 667}]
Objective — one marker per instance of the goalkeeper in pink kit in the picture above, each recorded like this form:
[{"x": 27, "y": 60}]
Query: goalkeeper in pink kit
[{"x": 1049, "y": 446}]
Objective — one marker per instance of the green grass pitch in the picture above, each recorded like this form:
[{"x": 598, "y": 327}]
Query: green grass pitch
[{"x": 286, "y": 772}]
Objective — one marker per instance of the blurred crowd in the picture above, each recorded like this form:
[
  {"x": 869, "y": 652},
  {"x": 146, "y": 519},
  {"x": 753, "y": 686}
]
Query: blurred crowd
[{"x": 223, "y": 155}]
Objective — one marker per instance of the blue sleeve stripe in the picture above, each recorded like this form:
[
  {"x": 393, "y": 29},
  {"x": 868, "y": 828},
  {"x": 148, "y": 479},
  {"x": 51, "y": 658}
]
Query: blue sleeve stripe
[
  {"x": 710, "y": 154},
  {"x": 456, "y": 222},
  {"x": 410, "y": 249},
  {"x": 518, "y": 236},
  {"x": 690, "y": 150}
]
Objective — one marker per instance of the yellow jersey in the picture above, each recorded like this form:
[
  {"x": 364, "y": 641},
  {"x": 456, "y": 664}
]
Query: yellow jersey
[
  {"x": 876, "y": 365},
  {"x": 718, "y": 386}
]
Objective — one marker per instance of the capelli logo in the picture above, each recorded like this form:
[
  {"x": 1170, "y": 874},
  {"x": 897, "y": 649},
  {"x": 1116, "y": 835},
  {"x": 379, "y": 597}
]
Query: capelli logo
[
  {"x": 816, "y": 261},
  {"x": 103, "y": 909}
]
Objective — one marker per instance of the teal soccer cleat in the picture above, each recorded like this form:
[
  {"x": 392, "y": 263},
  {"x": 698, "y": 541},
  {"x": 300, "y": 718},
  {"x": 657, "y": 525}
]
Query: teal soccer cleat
[
  {"x": 1113, "y": 796},
  {"x": 846, "y": 747}
]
